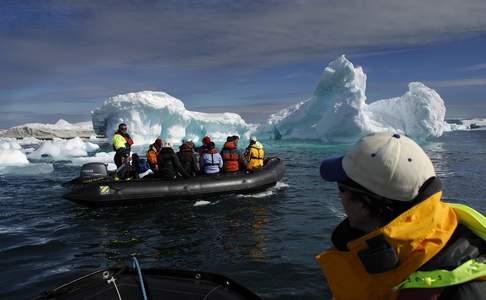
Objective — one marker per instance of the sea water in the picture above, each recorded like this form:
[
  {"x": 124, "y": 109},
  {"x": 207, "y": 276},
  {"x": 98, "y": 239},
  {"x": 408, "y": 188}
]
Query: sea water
[{"x": 266, "y": 241}]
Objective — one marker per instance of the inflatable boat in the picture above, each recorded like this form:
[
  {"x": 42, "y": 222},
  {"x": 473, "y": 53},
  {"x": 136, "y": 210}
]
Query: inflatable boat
[
  {"x": 133, "y": 283},
  {"x": 96, "y": 188}
]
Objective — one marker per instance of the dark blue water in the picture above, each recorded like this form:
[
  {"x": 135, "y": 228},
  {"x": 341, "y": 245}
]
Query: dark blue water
[{"x": 266, "y": 241}]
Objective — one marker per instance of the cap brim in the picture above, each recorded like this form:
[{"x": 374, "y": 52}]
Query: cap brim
[{"x": 332, "y": 169}]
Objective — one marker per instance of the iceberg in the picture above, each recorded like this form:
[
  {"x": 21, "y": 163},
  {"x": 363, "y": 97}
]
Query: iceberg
[
  {"x": 151, "y": 114},
  {"x": 14, "y": 161},
  {"x": 61, "y": 149},
  {"x": 465, "y": 124},
  {"x": 338, "y": 111},
  {"x": 101, "y": 157},
  {"x": 11, "y": 154},
  {"x": 61, "y": 129}
]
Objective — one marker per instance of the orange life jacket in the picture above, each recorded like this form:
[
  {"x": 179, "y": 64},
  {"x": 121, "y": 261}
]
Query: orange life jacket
[
  {"x": 416, "y": 236},
  {"x": 231, "y": 157}
]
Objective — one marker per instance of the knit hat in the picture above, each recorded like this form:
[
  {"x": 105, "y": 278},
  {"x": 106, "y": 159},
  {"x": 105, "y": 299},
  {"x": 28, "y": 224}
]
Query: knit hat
[{"x": 206, "y": 140}]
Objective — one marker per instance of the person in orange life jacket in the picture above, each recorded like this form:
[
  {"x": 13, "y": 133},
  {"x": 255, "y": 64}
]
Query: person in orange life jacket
[
  {"x": 399, "y": 240},
  {"x": 205, "y": 142},
  {"x": 232, "y": 159},
  {"x": 188, "y": 158},
  {"x": 211, "y": 161},
  {"x": 122, "y": 142},
  {"x": 152, "y": 153},
  {"x": 169, "y": 165},
  {"x": 254, "y": 154}
]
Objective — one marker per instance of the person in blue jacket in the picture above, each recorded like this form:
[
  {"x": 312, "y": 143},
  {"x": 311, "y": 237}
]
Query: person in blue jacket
[{"x": 211, "y": 161}]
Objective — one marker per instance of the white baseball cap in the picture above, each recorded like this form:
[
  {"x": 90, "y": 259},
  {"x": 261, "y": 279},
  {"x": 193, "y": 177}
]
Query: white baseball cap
[{"x": 390, "y": 165}]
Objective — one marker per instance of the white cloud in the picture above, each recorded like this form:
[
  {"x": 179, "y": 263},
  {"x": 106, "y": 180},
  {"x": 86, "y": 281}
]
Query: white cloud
[
  {"x": 458, "y": 82},
  {"x": 476, "y": 67}
]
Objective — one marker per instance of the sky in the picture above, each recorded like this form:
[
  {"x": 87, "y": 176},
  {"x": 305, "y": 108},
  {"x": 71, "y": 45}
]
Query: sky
[{"x": 62, "y": 59}]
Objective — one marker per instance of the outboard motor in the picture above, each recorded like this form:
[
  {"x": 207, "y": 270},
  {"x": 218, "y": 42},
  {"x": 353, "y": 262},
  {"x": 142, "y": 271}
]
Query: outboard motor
[{"x": 93, "y": 172}]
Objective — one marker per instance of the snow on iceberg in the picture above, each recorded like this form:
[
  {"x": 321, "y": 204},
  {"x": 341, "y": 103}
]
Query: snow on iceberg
[
  {"x": 59, "y": 149},
  {"x": 61, "y": 129},
  {"x": 338, "y": 110},
  {"x": 151, "y": 114}
]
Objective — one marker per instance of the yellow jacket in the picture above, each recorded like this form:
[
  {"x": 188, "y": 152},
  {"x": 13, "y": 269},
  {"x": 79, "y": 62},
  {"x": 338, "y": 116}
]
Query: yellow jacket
[
  {"x": 119, "y": 141},
  {"x": 254, "y": 155}
]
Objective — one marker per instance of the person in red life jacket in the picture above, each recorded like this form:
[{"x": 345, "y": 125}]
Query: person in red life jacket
[
  {"x": 211, "y": 161},
  {"x": 188, "y": 158},
  {"x": 205, "y": 142},
  {"x": 122, "y": 142},
  {"x": 169, "y": 165},
  {"x": 232, "y": 159},
  {"x": 152, "y": 154},
  {"x": 399, "y": 240}
]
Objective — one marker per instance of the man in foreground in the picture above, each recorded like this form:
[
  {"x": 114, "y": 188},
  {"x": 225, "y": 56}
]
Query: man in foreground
[{"x": 399, "y": 240}]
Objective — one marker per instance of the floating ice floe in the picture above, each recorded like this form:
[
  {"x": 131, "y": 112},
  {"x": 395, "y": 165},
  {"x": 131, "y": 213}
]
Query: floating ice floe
[
  {"x": 11, "y": 154},
  {"x": 61, "y": 129},
  {"x": 14, "y": 161},
  {"x": 338, "y": 110},
  {"x": 60, "y": 149},
  {"x": 465, "y": 124},
  {"x": 102, "y": 157},
  {"x": 156, "y": 114}
]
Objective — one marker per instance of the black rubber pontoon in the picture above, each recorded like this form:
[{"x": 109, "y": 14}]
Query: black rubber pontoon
[
  {"x": 107, "y": 192},
  {"x": 157, "y": 284}
]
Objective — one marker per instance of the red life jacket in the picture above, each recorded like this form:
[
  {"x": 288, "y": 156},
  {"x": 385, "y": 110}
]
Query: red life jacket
[
  {"x": 231, "y": 157},
  {"x": 127, "y": 137}
]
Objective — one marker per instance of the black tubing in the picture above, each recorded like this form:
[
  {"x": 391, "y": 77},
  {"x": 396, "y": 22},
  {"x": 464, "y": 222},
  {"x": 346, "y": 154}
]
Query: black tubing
[{"x": 116, "y": 193}]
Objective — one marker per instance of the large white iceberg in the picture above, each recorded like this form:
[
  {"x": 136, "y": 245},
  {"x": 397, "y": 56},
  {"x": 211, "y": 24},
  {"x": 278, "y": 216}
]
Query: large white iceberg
[
  {"x": 338, "y": 110},
  {"x": 61, "y": 129},
  {"x": 151, "y": 114}
]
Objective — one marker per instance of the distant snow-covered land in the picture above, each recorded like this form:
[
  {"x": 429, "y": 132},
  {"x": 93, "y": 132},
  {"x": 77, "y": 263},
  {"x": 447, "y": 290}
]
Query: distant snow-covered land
[{"x": 61, "y": 129}]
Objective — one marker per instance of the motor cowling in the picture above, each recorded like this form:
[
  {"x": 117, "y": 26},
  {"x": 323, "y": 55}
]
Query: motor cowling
[{"x": 93, "y": 171}]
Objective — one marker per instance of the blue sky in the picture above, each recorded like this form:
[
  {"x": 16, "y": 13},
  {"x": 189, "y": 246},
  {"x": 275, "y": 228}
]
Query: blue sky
[{"x": 63, "y": 58}]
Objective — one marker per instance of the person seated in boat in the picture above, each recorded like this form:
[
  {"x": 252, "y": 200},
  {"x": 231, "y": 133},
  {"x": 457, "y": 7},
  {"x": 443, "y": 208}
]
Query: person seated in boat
[
  {"x": 254, "y": 154},
  {"x": 232, "y": 159},
  {"x": 188, "y": 158},
  {"x": 211, "y": 161},
  {"x": 205, "y": 142},
  {"x": 140, "y": 167},
  {"x": 169, "y": 165},
  {"x": 152, "y": 153},
  {"x": 122, "y": 142}
]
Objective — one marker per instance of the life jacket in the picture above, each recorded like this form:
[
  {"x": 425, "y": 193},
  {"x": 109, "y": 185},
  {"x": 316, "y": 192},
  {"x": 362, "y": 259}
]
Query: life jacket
[
  {"x": 231, "y": 157},
  {"x": 187, "y": 159},
  {"x": 385, "y": 260},
  {"x": 152, "y": 155},
  {"x": 255, "y": 156},
  {"x": 211, "y": 161},
  {"x": 121, "y": 140}
]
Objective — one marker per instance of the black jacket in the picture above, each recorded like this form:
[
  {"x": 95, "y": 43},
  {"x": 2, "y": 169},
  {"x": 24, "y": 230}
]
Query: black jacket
[
  {"x": 169, "y": 164},
  {"x": 188, "y": 160}
]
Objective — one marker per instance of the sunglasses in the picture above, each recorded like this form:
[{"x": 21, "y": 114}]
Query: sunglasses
[{"x": 123, "y": 128}]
